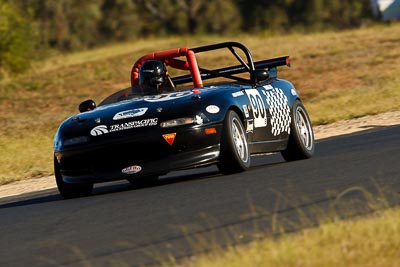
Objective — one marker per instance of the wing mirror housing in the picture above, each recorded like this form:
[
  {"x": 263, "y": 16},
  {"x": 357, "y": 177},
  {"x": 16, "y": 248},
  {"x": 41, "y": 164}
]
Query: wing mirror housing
[
  {"x": 87, "y": 105},
  {"x": 259, "y": 75}
]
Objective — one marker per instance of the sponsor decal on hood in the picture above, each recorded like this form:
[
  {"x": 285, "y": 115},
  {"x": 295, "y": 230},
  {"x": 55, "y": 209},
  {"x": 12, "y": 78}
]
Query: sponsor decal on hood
[
  {"x": 99, "y": 130},
  {"x": 104, "y": 129},
  {"x": 166, "y": 97},
  {"x": 130, "y": 113}
]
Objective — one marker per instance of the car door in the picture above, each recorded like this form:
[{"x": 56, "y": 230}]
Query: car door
[{"x": 270, "y": 116}]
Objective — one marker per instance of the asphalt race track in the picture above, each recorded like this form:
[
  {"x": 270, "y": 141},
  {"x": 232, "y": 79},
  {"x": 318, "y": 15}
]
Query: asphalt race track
[{"x": 188, "y": 212}]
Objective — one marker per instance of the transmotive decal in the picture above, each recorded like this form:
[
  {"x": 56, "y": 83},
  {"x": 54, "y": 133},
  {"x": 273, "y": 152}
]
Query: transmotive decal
[
  {"x": 166, "y": 97},
  {"x": 131, "y": 169},
  {"x": 99, "y": 130},
  {"x": 104, "y": 129},
  {"x": 258, "y": 108},
  {"x": 212, "y": 109},
  {"x": 280, "y": 111},
  {"x": 169, "y": 138},
  {"x": 130, "y": 113},
  {"x": 133, "y": 124}
]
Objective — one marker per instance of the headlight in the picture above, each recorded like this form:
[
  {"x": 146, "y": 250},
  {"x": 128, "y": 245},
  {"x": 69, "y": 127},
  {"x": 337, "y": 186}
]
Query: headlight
[
  {"x": 76, "y": 140},
  {"x": 198, "y": 119}
]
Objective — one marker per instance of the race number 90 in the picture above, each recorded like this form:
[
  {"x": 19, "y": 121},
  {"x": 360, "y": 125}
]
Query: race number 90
[{"x": 258, "y": 107}]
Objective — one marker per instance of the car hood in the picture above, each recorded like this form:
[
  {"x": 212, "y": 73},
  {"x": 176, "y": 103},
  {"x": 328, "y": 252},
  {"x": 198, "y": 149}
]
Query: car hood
[{"x": 138, "y": 115}]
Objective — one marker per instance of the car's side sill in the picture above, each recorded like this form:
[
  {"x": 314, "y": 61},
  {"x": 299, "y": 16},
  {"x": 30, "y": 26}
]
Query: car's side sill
[{"x": 267, "y": 146}]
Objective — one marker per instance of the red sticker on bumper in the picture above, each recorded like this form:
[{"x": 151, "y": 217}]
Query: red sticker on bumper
[{"x": 169, "y": 138}]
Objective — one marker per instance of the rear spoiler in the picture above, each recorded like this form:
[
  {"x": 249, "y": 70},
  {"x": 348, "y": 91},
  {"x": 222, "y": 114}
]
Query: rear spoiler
[
  {"x": 272, "y": 63},
  {"x": 229, "y": 71}
]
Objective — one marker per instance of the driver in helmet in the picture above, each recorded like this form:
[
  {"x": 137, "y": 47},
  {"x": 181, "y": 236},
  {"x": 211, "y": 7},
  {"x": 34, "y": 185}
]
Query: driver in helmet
[{"x": 154, "y": 78}]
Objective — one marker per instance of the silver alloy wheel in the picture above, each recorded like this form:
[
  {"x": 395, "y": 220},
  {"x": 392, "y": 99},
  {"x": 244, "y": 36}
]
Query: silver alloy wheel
[
  {"x": 239, "y": 139},
  {"x": 304, "y": 128}
]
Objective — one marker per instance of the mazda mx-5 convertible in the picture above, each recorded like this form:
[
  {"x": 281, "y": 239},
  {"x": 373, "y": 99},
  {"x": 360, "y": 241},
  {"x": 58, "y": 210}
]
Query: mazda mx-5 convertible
[{"x": 198, "y": 117}]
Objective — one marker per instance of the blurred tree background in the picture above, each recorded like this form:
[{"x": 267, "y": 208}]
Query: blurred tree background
[{"x": 30, "y": 29}]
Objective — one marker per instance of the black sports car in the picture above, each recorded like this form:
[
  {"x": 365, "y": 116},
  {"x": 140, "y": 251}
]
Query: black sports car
[{"x": 182, "y": 123}]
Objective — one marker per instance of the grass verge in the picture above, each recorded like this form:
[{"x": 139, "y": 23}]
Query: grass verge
[
  {"x": 369, "y": 241},
  {"x": 356, "y": 227}
]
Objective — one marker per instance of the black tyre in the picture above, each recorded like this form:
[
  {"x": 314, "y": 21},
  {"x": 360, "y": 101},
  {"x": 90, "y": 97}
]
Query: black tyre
[
  {"x": 234, "y": 156},
  {"x": 70, "y": 190},
  {"x": 301, "y": 140}
]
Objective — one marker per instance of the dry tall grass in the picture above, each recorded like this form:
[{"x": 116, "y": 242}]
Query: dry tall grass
[{"x": 365, "y": 242}]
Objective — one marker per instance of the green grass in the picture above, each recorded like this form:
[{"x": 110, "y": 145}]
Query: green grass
[{"x": 339, "y": 75}]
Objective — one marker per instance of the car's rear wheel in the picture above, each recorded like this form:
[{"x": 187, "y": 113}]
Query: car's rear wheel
[
  {"x": 234, "y": 156},
  {"x": 301, "y": 140},
  {"x": 68, "y": 190}
]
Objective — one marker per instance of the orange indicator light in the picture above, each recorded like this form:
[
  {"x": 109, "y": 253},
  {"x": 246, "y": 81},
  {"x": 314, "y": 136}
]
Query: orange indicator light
[{"x": 210, "y": 131}]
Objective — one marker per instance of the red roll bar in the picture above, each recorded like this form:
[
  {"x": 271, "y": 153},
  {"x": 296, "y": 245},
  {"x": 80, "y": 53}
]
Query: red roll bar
[{"x": 169, "y": 58}]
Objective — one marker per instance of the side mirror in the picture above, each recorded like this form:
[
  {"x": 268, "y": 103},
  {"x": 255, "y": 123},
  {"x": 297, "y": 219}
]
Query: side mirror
[
  {"x": 259, "y": 75},
  {"x": 87, "y": 105}
]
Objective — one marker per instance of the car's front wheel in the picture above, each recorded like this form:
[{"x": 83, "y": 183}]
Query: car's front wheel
[
  {"x": 70, "y": 190},
  {"x": 301, "y": 140},
  {"x": 234, "y": 156}
]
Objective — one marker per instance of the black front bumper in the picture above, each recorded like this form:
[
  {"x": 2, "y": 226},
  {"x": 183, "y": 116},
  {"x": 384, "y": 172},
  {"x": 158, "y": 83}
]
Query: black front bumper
[{"x": 150, "y": 153}]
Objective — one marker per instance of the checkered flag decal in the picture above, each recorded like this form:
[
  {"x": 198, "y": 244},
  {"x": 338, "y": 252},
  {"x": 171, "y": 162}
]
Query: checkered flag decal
[{"x": 280, "y": 111}]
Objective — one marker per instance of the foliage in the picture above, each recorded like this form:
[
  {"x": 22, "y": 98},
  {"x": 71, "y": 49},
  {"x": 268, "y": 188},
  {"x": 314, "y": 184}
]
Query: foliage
[
  {"x": 70, "y": 25},
  {"x": 308, "y": 15},
  {"x": 125, "y": 19},
  {"x": 16, "y": 38}
]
